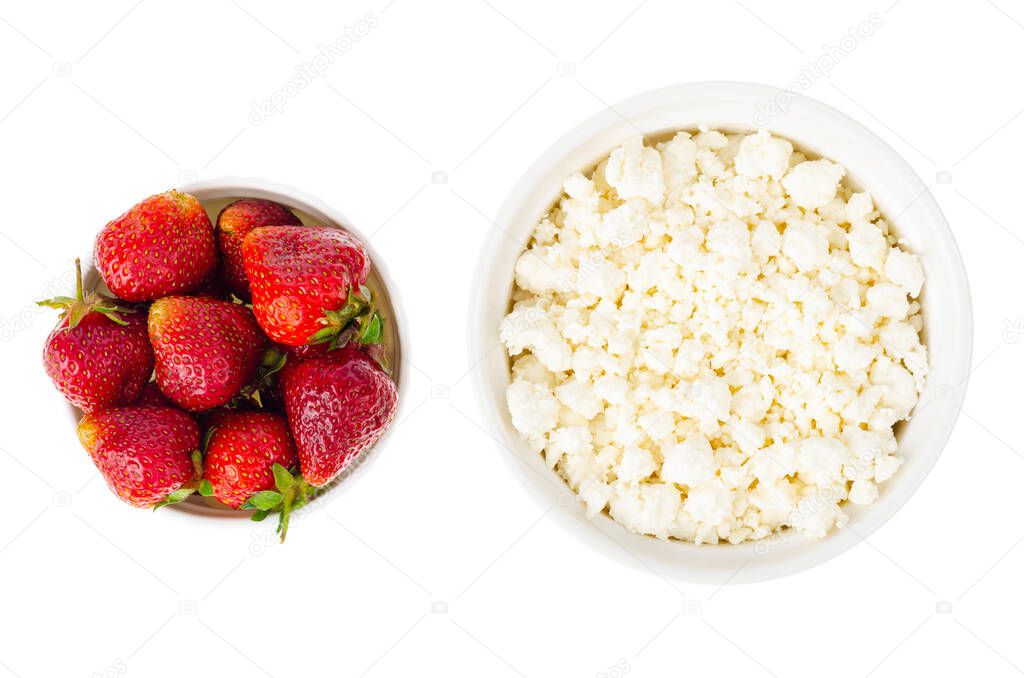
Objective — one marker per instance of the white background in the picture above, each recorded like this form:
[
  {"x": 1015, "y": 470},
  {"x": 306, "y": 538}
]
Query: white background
[{"x": 101, "y": 106}]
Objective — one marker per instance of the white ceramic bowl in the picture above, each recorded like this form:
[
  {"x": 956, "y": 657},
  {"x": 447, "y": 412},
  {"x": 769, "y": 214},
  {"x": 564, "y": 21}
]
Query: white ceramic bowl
[
  {"x": 872, "y": 165},
  {"x": 214, "y": 194}
]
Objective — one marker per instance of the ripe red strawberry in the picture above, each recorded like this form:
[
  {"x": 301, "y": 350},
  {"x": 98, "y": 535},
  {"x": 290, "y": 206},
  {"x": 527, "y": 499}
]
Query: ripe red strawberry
[
  {"x": 206, "y": 349},
  {"x": 338, "y": 405},
  {"x": 144, "y": 452},
  {"x": 241, "y": 451},
  {"x": 302, "y": 278},
  {"x": 98, "y": 356},
  {"x": 233, "y": 223},
  {"x": 164, "y": 245}
]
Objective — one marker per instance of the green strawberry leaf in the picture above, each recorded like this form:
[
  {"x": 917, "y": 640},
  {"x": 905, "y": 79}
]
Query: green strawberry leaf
[
  {"x": 372, "y": 331},
  {"x": 205, "y": 488},
  {"x": 56, "y": 302},
  {"x": 259, "y": 515},
  {"x": 75, "y": 315},
  {"x": 282, "y": 478},
  {"x": 175, "y": 497},
  {"x": 323, "y": 335},
  {"x": 112, "y": 313},
  {"x": 265, "y": 500}
]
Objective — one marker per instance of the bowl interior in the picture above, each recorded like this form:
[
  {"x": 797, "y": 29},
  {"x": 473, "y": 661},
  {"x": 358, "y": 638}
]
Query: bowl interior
[
  {"x": 215, "y": 195},
  {"x": 871, "y": 165}
]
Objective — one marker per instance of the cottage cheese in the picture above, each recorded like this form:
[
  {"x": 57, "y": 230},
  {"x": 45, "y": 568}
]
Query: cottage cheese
[{"x": 712, "y": 338}]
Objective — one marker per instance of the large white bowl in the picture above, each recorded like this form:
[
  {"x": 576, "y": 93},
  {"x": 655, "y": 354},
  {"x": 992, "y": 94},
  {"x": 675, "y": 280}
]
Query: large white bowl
[
  {"x": 214, "y": 194},
  {"x": 814, "y": 128}
]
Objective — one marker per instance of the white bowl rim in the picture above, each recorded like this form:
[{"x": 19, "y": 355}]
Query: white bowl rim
[
  {"x": 253, "y": 187},
  {"x": 748, "y": 565}
]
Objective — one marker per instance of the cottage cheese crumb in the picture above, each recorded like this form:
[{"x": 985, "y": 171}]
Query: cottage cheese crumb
[
  {"x": 713, "y": 337},
  {"x": 813, "y": 183}
]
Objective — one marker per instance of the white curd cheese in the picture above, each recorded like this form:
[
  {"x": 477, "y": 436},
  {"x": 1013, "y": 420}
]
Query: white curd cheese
[{"x": 713, "y": 337}]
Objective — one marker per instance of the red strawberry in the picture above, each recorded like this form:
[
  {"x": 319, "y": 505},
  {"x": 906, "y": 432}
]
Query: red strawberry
[
  {"x": 145, "y": 453},
  {"x": 241, "y": 451},
  {"x": 233, "y": 223},
  {"x": 98, "y": 356},
  {"x": 206, "y": 349},
  {"x": 338, "y": 405},
  {"x": 304, "y": 280},
  {"x": 164, "y": 245}
]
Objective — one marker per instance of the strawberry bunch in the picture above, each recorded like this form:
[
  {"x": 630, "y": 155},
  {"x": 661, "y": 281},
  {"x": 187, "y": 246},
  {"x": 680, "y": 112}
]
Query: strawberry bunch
[{"x": 239, "y": 360}]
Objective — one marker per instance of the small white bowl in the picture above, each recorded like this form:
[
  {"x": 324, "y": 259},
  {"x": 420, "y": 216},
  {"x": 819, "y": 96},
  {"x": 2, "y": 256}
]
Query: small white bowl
[
  {"x": 215, "y": 194},
  {"x": 819, "y": 130}
]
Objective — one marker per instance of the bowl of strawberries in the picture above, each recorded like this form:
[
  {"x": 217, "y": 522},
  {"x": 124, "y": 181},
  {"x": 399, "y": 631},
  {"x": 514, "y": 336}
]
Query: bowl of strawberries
[{"x": 233, "y": 350}]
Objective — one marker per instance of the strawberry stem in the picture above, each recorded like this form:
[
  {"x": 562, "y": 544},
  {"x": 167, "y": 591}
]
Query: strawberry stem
[
  {"x": 286, "y": 511},
  {"x": 78, "y": 280},
  {"x": 197, "y": 460},
  {"x": 295, "y": 497},
  {"x": 292, "y": 493}
]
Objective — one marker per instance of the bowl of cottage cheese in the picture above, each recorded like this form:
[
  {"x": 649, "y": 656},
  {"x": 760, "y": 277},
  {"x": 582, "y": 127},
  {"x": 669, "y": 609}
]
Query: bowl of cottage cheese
[{"x": 731, "y": 343}]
